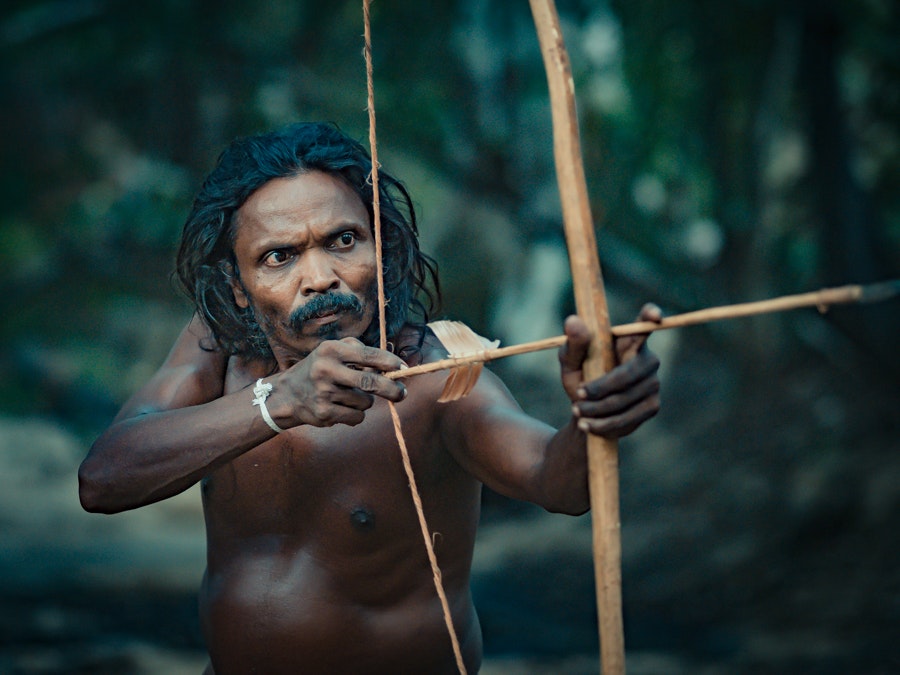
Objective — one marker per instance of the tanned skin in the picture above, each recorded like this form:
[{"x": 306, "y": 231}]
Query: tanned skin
[{"x": 315, "y": 562}]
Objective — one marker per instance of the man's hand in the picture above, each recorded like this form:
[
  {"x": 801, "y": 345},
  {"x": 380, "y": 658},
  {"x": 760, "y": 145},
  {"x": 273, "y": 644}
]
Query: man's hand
[
  {"x": 617, "y": 403},
  {"x": 335, "y": 384}
]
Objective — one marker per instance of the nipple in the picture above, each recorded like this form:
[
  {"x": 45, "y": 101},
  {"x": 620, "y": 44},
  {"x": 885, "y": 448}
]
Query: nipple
[{"x": 362, "y": 519}]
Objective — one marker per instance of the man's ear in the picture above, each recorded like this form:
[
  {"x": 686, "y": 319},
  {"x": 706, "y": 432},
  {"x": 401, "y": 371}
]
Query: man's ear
[{"x": 240, "y": 297}]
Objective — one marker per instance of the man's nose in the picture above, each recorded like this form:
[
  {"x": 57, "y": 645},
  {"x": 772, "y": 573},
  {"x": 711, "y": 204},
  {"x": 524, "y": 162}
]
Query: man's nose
[{"x": 318, "y": 274}]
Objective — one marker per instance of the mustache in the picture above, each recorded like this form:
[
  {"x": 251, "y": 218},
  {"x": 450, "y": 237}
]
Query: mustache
[{"x": 325, "y": 304}]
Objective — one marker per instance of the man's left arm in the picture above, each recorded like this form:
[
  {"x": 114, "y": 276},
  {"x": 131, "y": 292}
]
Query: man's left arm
[{"x": 523, "y": 458}]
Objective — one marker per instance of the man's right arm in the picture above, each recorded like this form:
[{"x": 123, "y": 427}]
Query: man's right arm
[
  {"x": 171, "y": 432},
  {"x": 181, "y": 425}
]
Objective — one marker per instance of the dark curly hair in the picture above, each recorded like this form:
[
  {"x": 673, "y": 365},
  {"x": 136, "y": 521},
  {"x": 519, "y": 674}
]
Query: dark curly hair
[{"x": 206, "y": 258}]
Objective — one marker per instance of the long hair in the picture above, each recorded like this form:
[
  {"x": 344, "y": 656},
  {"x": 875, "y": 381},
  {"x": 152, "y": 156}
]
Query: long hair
[{"x": 206, "y": 258}]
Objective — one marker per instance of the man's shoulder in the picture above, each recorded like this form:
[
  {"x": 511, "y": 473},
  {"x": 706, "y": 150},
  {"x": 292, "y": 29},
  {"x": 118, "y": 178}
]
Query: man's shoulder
[{"x": 416, "y": 344}]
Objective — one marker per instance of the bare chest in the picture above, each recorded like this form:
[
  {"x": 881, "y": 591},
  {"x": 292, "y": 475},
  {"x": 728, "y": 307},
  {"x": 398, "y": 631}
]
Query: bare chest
[{"x": 341, "y": 484}]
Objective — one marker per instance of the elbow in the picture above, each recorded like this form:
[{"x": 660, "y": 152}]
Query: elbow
[
  {"x": 570, "y": 495},
  {"x": 569, "y": 500},
  {"x": 573, "y": 510},
  {"x": 90, "y": 494},
  {"x": 564, "y": 491},
  {"x": 570, "y": 507},
  {"x": 93, "y": 492}
]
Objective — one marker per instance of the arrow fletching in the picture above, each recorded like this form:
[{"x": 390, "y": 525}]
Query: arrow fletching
[{"x": 462, "y": 342}]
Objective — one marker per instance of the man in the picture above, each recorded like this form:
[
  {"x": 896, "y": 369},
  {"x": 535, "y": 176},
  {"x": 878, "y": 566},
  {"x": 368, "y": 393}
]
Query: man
[{"x": 315, "y": 559}]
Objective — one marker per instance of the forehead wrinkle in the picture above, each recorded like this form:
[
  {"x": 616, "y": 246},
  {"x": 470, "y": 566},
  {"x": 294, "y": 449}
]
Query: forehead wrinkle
[
  {"x": 315, "y": 191},
  {"x": 303, "y": 209}
]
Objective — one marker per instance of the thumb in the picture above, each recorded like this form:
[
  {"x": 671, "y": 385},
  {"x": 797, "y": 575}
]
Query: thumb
[
  {"x": 572, "y": 355},
  {"x": 627, "y": 347}
]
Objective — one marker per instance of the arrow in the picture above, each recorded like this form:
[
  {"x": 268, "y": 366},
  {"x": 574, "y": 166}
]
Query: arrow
[{"x": 822, "y": 299}]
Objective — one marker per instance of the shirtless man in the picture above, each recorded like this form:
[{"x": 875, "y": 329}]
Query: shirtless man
[{"x": 315, "y": 562}]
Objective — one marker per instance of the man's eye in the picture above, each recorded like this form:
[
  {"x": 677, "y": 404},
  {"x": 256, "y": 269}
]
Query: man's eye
[
  {"x": 274, "y": 258},
  {"x": 345, "y": 240}
]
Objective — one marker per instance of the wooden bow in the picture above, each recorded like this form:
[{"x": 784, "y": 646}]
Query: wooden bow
[{"x": 590, "y": 302}]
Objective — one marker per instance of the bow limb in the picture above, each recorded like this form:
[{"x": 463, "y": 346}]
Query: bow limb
[{"x": 590, "y": 301}]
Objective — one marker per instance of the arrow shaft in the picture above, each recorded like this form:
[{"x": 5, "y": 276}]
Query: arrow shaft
[{"x": 821, "y": 299}]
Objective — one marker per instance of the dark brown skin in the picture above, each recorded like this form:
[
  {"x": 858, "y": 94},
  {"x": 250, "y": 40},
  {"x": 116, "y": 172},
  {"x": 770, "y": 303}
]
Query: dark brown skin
[{"x": 315, "y": 558}]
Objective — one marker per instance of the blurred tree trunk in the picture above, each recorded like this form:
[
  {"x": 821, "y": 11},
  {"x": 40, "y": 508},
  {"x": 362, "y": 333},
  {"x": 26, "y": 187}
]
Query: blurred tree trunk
[
  {"x": 846, "y": 219},
  {"x": 771, "y": 126},
  {"x": 847, "y": 246}
]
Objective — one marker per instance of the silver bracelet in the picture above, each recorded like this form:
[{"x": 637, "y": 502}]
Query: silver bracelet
[{"x": 261, "y": 392}]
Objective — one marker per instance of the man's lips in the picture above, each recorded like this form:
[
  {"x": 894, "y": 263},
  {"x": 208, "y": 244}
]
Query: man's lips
[{"x": 324, "y": 317}]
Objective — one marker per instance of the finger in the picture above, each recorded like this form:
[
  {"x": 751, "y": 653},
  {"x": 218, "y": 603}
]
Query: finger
[
  {"x": 337, "y": 377},
  {"x": 353, "y": 351},
  {"x": 628, "y": 346},
  {"x": 620, "y": 378},
  {"x": 337, "y": 414},
  {"x": 620, "y": 425},
  {"x": 352, "y": 365},
  {"x": 335, "y": 405},
  {"x": 618, "y": 403},
  {"x": 346, "y": 405},
  {"x": 352, "y": 398},
  {"x": 650, "y": 312},
  {"x": 373, "y": 383}
]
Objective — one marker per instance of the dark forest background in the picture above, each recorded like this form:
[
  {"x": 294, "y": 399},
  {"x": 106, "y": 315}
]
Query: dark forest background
[{"x": 734, "y": 151}]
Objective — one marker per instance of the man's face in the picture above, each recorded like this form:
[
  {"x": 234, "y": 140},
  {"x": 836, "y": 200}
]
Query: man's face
[{"x": 306, "y": 257}]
